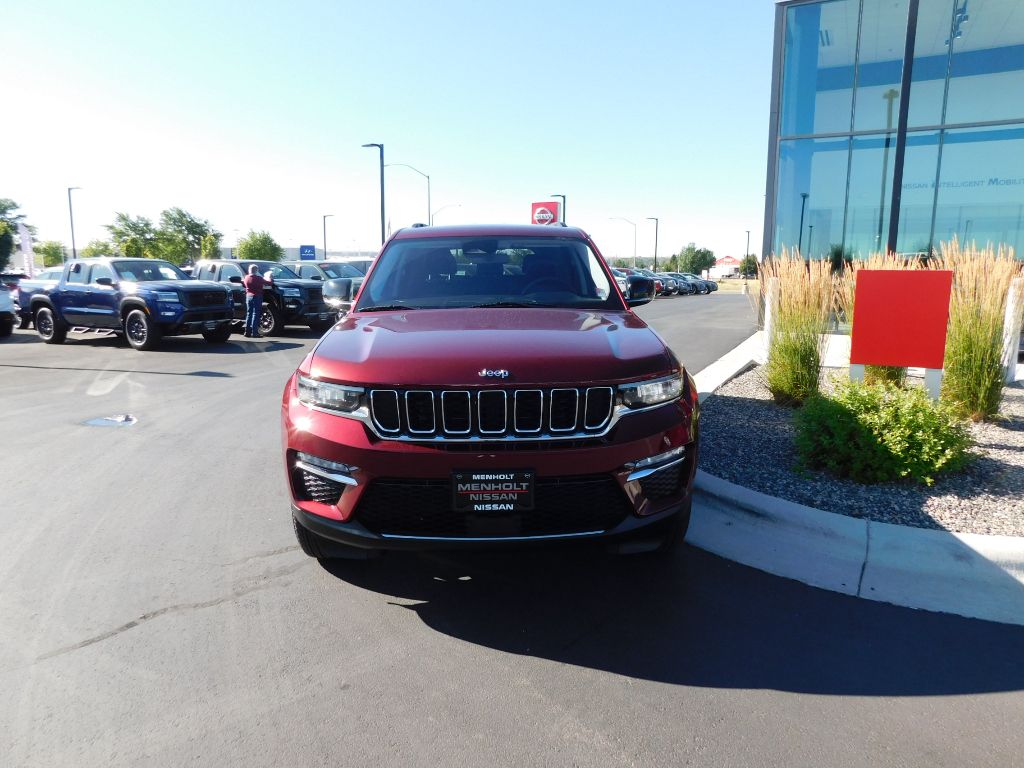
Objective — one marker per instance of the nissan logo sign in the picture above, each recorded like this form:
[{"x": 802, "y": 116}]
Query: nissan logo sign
[{"x": 542, "y": 216}]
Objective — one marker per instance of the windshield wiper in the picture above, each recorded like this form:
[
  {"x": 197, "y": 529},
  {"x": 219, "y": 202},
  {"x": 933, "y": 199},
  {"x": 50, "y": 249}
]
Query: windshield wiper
[{"x": 386, "y": 308}]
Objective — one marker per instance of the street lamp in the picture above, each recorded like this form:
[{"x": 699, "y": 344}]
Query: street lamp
[
  {"x": 381, "y": 148},
  {"x": 800, "y": 239},
  {"x": 620, "y": 218},
  {"x": 655, "y": 220},
  {"x": 71, "y": 215},
  {"x": 424, "y": 175},
  {"x": 563, "y": 206},
  {"x": 326, "y": 217},
  {"x": 747, "y": 252},
  {"x": 450, "y": 205}
]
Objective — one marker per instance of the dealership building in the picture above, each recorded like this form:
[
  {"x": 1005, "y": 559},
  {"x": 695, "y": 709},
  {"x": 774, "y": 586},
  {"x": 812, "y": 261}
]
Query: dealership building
[{"x": 896, "y": 125}]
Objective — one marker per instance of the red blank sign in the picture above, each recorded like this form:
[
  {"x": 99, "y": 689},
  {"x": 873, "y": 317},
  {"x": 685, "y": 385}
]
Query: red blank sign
[{"x": 900, "y": 317}]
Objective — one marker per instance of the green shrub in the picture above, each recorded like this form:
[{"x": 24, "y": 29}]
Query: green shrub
[
  {"x": 885, "y": 374},
  {"x": 878, "y": 433}
]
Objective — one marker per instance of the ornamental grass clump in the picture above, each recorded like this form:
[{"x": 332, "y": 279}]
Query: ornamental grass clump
[
  {"x": 879, "y": 433},
  {"x": 796, "y": 344},
  {"x": 973, "y": 379}
]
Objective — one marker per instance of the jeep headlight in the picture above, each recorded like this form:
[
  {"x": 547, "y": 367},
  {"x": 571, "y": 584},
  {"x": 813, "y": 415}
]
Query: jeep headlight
[
  {"x": 334, "y": 397},
  {"x": 171, "y": 297},
  {"x": 291, "y": 293},
  {"x": 652, "y": 392}
]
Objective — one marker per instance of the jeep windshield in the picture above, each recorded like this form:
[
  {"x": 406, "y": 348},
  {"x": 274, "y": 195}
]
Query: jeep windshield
[
  {"x": 277, "y": 271},
  {"x": 441, "y": 273},
  {"x": 148, "y": 270}
]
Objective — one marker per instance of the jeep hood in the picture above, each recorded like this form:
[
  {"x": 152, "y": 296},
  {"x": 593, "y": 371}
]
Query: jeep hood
[{"x": 450, "y": 348}]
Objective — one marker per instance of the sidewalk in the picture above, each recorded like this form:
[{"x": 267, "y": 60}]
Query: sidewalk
[{"x": 966, "y": 574}]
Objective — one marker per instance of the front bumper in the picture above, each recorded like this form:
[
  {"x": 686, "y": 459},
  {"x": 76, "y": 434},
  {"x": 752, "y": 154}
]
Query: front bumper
[
  {"x": 177, "y": 322},
  {"x": 388, "y": 494}
]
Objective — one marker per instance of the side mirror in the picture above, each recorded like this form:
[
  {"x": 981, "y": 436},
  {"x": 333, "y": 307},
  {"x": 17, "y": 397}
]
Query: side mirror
[
  {"x": 641, "y": 290},
  {"x": 106, "y": 282},
  {"x": 235, "y": 279},
  {"x": 339, "y": 289},
  {"x": 316, "y": 277}
]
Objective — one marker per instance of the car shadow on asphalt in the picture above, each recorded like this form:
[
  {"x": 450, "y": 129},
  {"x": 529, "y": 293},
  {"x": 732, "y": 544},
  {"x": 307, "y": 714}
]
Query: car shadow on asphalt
[{"x": 693, "y": 619}]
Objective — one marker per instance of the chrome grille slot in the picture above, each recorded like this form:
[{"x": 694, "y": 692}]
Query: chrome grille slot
[
  {"x": 419, "y": 411},
  {"x": 598, "y": 408},
  {"x": 492, "y": 407},
  {"x": 384, "y": 406},
  {"x": 456, "y": 408},
  {"x": 529, "y": 410},
  {"x": 564, "y": 405}
]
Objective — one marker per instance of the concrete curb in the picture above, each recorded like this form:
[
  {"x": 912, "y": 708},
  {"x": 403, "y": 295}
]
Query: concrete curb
[{"x": 961, "y": 573}]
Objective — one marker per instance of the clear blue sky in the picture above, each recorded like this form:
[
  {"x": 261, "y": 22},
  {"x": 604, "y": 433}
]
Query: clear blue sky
[{"x": 251, "y": 114}]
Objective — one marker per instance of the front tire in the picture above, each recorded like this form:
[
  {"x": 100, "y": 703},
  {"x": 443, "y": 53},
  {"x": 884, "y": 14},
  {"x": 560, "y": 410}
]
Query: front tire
[
  {"x": 218, "y": 335},
  {"x": 141, "y": 332},
  {"x": 50, "y": 328},
  {"x": 270, "y": 321}
]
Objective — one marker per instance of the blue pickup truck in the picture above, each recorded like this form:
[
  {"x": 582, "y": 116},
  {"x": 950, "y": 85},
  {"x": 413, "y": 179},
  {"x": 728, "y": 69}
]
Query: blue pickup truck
[{"x": 141, "y": 299}]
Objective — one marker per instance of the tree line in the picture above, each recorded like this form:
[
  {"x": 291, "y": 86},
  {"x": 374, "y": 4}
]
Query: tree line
[{"x": 178, "y": 237}]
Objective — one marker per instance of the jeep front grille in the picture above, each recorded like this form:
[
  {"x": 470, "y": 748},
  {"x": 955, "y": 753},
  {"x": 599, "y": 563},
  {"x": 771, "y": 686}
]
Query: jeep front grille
[{"x": 490, "y": 414}]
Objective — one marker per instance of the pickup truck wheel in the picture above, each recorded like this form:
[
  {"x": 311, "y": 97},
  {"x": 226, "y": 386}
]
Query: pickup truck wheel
[
  {"x": 50, "y": 329},
  {"x": 6, "y": 327},
  {"x": 140, "y": 331},
  {"x": 270, "y": 321},
  {"x": 219, "y": 334}
]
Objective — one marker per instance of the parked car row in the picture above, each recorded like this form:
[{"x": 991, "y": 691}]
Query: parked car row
[
  {"x": 144, "y": 300},
  {"x": 669, "y": 283}
]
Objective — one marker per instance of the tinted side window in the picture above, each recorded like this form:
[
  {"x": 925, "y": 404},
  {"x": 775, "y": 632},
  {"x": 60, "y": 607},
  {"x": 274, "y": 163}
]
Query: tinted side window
[
  {"x": 227, "y": 271},
  {"x": 100, "y": 270},
  {"x": 78, "y": 274},
  {"x": 206, "y": 273}
]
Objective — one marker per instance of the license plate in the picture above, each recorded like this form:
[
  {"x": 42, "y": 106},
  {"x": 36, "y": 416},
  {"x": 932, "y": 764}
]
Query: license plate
[
  {"x": 493, "y": 491},
  {"x": 210, "y": 324}
]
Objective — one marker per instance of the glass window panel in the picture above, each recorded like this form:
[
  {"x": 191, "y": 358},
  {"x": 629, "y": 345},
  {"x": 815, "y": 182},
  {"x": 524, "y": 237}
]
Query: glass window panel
[
  {"x": 811, "y": 193},
  {"x": 883, "y": 38},
  {"x": 986, "y": 76},
  {"x": 931, "y": 54},
  {"x": 981, "y": 187},
  {"x": 817, "y": 76},
  {"x": 868, "y": 206},
  {"x": 918, "y": 197}
]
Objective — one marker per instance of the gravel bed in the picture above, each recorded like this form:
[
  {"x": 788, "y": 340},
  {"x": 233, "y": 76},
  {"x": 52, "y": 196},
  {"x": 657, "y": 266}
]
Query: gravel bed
[{"x": 747, "y": 439}]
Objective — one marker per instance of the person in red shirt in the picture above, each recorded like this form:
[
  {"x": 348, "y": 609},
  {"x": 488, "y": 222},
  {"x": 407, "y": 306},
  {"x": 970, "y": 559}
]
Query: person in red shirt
[{"x": 254, "y": 284}]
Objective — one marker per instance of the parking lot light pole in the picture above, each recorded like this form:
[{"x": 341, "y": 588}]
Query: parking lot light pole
[
  {"x": 620, "y": 218},
  {"x": 381, "y": 148},
  {"x": 71, "y": 215},
  {"x": 563, "y": 206},
  {"x": 424, "y": 175},
  {"x": 326, "y": 217},
  {"x": 747, "y": 252},
  {"x": 655, "y": 220},
  {"x": 450, "y": 205}
]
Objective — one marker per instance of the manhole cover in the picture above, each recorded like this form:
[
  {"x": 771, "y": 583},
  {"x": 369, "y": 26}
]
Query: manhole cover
[{"x": 120, "y": 420}]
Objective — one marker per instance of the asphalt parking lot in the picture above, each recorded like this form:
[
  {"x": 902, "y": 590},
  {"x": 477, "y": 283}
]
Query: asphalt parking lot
[{"x": 156, "y": 610}]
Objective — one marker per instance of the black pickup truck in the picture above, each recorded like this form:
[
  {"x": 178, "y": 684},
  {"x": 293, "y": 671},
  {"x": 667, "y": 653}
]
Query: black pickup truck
[{"x": 290, "y": 300}]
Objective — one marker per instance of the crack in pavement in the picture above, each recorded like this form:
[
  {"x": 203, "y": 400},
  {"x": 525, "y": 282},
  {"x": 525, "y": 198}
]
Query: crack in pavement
[
  {"x": 179, "y": 608},
  {"x": 259, "y": 555}
]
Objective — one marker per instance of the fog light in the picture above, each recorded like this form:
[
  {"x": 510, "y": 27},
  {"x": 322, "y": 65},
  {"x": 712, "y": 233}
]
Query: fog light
[
  {"x": 330, "y": 466},
  {"x": 645, "y": 467}
]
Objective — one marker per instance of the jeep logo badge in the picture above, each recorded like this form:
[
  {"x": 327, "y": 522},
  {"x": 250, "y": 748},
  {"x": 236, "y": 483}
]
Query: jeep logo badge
[{"x": 494, "y": 374}]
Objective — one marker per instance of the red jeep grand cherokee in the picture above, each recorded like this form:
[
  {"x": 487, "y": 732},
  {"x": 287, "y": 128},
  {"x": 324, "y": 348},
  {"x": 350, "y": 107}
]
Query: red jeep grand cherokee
[{"x": 490, "y": 385}]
